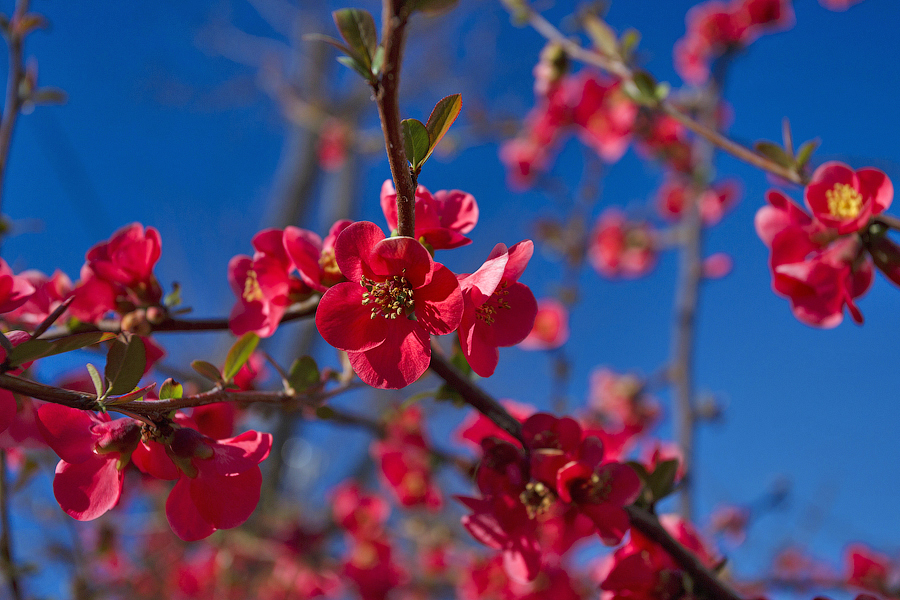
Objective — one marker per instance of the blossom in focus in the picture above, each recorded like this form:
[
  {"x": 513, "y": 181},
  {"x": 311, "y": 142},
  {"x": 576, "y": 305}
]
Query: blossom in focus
[
  {"x": 621, "y": 248},
  {"x": 441, "y": 218},
  {"x": 845, "y": 200},
  {"x": 551, "y": 326},
  {"x": 499, "y": 311},
  {"x": 395, "y": 299},
  {"x": 313, "y": 257}
]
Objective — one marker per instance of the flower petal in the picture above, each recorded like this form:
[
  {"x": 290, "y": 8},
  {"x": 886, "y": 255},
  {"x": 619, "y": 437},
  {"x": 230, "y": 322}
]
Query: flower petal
[
  {"x": 88, "y": 489},
  {"x": 183, "y": 516},
  {"x": 345, "y": 323},
  {"x": 400, "y": 360}
]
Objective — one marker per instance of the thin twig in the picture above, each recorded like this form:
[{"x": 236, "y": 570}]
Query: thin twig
[{"x": 13, "y": 103}]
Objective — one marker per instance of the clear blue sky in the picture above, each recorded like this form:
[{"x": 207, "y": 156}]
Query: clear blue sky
[{"x": 161, "y": 130}]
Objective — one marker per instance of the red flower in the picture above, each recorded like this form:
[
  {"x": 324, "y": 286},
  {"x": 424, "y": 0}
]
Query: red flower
[
  {"x": 93, "y": 451},
  {"x": 714, "y": 202},
  {"x": 49, "y": 294},
  {"x": 361, "y": 514},
  {"x": 868, "y": 569},
  {"x": 128, "y": 257},
  {"x": 441, "y": 219},
  {"x": 551, "y": 326},
  {"x": 404, "y": 458},
  {"x": 621, "y": 248},
  {"x": 396, "y": 297},
  {"x": 15, "y": 290},
  {"x": 499, "y": 311},
  {"x": 314, "y": 258},
  {"x": 262, "y": 285},
  {"x": 219, "y": 481},
  {"x": 845, "y": 200}
]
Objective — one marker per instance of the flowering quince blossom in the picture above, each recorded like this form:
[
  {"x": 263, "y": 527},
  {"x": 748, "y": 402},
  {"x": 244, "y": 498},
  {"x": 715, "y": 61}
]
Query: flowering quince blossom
[
  {"x": 714, "y": 202},
  {"x": 621, "y": 248},
  {"x": 551, "y": 326},
  {"x": 15, "y": 290},
  {"x": 499, "y": 311},
  {"x": 441, "y": 219},
  {"x": 870, "y": 570},
  {"x": 49, "y": 293},
  {"x": 93, "y": 451},
  {"x": 843, "y": 199},
  {"x": 819, "y": 272},
  {"x": 395, "y": 299},
  {"x": 218, "y": 483},
  {"x": 263, "y": 285},
  {"x": 118, "y": 274},
  {"x": 314, "y": 258}
]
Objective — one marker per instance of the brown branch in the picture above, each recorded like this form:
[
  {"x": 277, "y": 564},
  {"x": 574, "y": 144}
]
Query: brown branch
[
  {"x": 394, "y": 20},
  {"x": 474, "y": 396},
  {"x": 13, "y": 102},
  {"x": 703, "y": 578}
]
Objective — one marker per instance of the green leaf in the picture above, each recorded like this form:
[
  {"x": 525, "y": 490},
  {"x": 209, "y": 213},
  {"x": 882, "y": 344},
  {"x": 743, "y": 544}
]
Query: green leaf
[
  {"x": 804, "y": 153},
  {"x": 318, "y": 37},
  {"x": 325, "y": 413},
  {"x": 135, "y": 395},
  {"x": 96, "y": 379},
  {"x": 775, "y": 153},
  {"x": 434, "y": 7},
  {"x": 440, "y": 120},
  {"x": 207, "y": 370},
  {"x": 415, "y": 142},
  {"x": 662, "y": 480},
  {"x": 239, "y": 354},
  {"x": 356, "y": 65},
  {"x": 304, "y": 374},
  {"x": 34, "y": 349},
  {"x": 602, "y": 35},
  {"x": 642, "y": 88},
  {"x": 378, "y": 61},
  {"x": 170, "y": 389},
  {"x": 357, "y": 27},
  {"x": 125, "y": 364},
  {"x": 628, "y": 42},
  {"x": 173, "y": 298}
]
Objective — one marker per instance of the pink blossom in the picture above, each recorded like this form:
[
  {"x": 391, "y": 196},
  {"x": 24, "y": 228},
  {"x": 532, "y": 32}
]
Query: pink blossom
[
  {"x": 843, "y": 199},
  {"x": 551, "y": 326},
  {"x": 441, "y": 219},
  {"x": 621, "y": 248}
]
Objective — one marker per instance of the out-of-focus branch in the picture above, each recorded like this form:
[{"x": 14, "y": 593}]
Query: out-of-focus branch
[
  {"x": 13, "y": 103},
  {"x": 395, "y": 16},
  {"x": 6, "y": 551}
]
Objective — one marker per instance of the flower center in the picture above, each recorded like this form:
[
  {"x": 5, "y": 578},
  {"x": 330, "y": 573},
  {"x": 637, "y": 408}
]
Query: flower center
[
  {"x": 252, "y": 291},
  {"x": 844, "y": 201},
  {"x": 488, "y": 310},
  {"x": 537, "y": 498},
  {"x": 391, "y": 298}
]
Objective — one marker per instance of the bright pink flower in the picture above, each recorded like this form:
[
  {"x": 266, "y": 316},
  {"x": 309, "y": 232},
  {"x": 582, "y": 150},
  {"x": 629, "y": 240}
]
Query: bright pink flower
[
  {"x": 499, "y": 311},
  {"x": 845, "y": 200},
  {"x": 219, "y": 481},
  {"x": 15, "y": 290},
  {"x": 602, "y": 112},
  {"x": 441, "y": 219},
  {"x": 262, "y": 285},
  {"x": 371, "y": 316},
  {"x": 93, "y": 451},
  {"x": 551, "y": 326},
  {"x": 128, "y": 257},
  {"x": 360, "y": 513},
  {"x": 714, "y": 202},
  {"x": 475, "y": 427},
  {"x": 371, "y": 566},
  {"x": 621, "y": 248},
  {"x": 314, "y": 258}
]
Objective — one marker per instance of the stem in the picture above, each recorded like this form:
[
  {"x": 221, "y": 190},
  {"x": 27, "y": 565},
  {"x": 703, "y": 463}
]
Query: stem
[
  {"x": 6, "y": 551},
  {"x": 13, "y": 102},
  {"x": 474, "y": 396},
  {"x": 703, "y": 578},
  {"x": 395, "y": 17}
]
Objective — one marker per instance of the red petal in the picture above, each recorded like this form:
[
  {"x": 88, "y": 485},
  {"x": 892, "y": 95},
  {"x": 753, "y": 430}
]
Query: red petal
[
  {"x": 439, "y": 305},
  {"x": 481, "y": 284},
  {"x": 513, "y": 325},
  {"x": 152, "y": 459},
  {"x": 876, "y": 185},
  {"x": 67, "y": 431},
  {"x": 226, "y": 501},
  {"x": 87, "y": 490},
  {"x": 240, "y": 453},
  {"x": 8, "y": 408},
  {"x": 400, "y": 360},
  {"x": 184, "y": 518},
  {"x": 402, "y": 256},
  {"x": 345, "y": 323},
  {"x": 519, "y": 255},
  {"x": 353, "y": 249},
  {"x": 304, "y": 249}
]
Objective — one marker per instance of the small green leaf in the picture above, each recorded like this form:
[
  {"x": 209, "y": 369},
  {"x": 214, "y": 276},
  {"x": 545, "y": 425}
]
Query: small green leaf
[
  {"x": 96, "y": 379},
  {"x": 325, "y": 413},
  {"x": 207, "y": 370},
  {"x": 304, "y": 374},
  {"x": 173, "y": 298},
  {"x": 170, "y": 389},
  {"x": 357, "y": 27},
  {"x": 434, "y": 7},
  {"x": 135, "y": 395},
  {"x": 602, "y": 35},
  {"x": 774, "y": 152},
  {"x": 628, "y": 42},
  {"x": 239, "y": 354},
  {"x": 356, "y": 65},
  {"x": 415, "y": 142},
  {"x": 440, "y": 120},
  {"x": 318, "y": 37},
  {"x": 662, "y": 480},
  {"x": 642, "y": 88},
  {"x": 378, "y": 61},
  {"x": 125, "y": 364},
  {"x": 804, "y": 153}
]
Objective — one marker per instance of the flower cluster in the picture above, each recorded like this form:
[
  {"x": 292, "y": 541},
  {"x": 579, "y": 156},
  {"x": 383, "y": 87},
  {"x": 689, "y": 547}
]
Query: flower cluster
[
  {"x": 715, "y": 28},
  {"x": 823, "y": 261}
]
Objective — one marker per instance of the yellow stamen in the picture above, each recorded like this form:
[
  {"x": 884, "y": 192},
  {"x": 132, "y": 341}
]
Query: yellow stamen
[
  {"x": 252, "y": 291},
  {"x": 844, "y": 201}
]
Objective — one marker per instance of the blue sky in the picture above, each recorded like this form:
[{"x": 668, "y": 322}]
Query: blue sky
[{"x": 161, "y": 128}]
